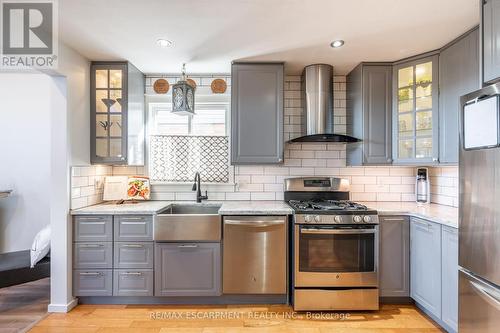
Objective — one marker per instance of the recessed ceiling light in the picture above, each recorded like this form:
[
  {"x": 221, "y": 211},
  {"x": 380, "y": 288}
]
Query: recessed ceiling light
[
  {"x": 337, "y": 43},
  {"x": 164, "y": 42}
]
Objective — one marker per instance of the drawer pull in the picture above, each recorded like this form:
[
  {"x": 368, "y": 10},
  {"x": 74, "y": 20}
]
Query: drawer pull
[
  {"x": 132, "y": 219},
  {"x": 187, "y": 246},
  {"x": 393, "y": 219},
  {"x": 92, "y": 245},
  {"x": 90, "y": 273},
  {"x": 135, "y": 246},
  {"x": 131, "y": 273}
]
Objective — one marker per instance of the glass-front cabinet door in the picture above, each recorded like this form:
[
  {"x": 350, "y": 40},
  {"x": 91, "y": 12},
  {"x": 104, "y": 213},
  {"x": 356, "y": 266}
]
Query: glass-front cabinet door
[
  {"x": 109, "y": 113},
  {"x": 415, "y": 110}
]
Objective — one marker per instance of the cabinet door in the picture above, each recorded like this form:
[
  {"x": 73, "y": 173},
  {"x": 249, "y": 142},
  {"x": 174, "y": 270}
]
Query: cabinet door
[
  {"x": 425, "y": 265},
  {"x": 187, "y": 269},
  {"x": 394, "y": 256},
  {"x": 133, "y": 228},
  {"x": 491, "y": 36},
  {"x": 450, "y": 277},
  {"x": 257, "y": 113},
  {"x": 458, "y": 75},
  {"x": 377, "y": 136}
]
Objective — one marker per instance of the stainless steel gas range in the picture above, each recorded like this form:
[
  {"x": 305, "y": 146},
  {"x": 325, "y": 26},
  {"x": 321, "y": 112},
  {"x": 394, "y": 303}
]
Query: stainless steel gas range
[{"x": 335, "y": 247}]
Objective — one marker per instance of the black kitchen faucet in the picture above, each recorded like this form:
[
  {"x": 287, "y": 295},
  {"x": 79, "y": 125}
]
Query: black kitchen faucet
[{"x": 197, "y": 188}]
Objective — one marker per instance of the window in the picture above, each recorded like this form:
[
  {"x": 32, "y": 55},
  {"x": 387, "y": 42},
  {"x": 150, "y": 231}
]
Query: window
[
  {"x": 180, "y": 146},
  {"x": 416, "y": 110}
]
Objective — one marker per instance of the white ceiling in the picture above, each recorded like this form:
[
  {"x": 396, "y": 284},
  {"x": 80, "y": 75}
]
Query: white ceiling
[{"x": 209, "y": 34}]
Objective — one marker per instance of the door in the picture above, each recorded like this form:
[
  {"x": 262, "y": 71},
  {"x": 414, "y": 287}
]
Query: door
[
  {"x": 187, "y": 269},
  {"x": 255, "y": 255},
  {"x": 344, "y": 256},
  {"x": 449, "y": 313},
  {"x": 491, "y": 35},
  {"x": 425, "y": 264},
  {"x": 377, "y": 108},
  {"x": 394, "y": 256},
  {"x": 458, "y": 75},
  {"x": 257, "y": 113},
  {"x": 479, "y": 305}
]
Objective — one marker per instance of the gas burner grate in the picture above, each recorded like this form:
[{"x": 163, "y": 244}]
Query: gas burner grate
[{"x": 327, "y": 205}]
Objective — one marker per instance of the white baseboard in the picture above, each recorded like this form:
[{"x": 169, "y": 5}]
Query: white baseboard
[{"x": 63, "y": 307}]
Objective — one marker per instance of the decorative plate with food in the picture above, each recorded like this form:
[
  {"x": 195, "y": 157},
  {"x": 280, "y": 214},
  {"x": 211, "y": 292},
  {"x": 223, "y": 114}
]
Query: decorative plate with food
[{"x": 138, "y": 188}]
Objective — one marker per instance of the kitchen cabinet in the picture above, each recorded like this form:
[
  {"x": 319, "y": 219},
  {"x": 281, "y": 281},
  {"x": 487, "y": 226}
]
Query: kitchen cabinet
[
  {"x": 369, "y": 108},
  {"x": 257, "y": 113},
  {"x": 449, "y": 272},
  {"x": 490, "y": 26},
  {"x": 394, "y": 256},
  {"x": 458, "y": 75},
  {"x": 415, "y": 111},
  {"x": 187, "y": 269},
  {"x": 425, "y": 265},
  {"x": 116, "y": 113}
]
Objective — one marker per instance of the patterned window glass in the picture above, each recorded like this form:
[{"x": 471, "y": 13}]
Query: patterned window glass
[{"x": 180, "y": 146}]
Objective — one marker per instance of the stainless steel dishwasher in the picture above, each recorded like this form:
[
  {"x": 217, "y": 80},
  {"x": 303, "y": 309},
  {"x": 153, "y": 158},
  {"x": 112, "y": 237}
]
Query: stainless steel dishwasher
[{"x": 254, "y": 255}]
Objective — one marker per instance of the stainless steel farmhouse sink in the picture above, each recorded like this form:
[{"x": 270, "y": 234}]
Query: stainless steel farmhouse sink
[{"x": 188, "y": 222}]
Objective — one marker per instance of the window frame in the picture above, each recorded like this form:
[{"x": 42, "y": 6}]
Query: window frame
[
  {"x": 433, "y": 159},
  {"x": 203, "y": 101}
]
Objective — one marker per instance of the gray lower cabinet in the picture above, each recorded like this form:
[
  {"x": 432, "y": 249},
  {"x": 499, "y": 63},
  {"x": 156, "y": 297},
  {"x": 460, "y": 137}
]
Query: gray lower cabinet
[
  {"x": 93, "y": 228},
  {"x": 490, "y": 25},
  {"x": 133, "y": 228},
  {"x": 449, "y": 272},
  {"x": 93, "y": 282},
  {"x": 133, "y": 254},
  {"x": 458, "y": 75},
  {"x": 257, "y": 113},
  {"x": 133, "y": 282},
  {"x": 369, "y": 109},
  {"x": 425, "y": 265},
  {"x": 92, "y": 255},
  {"x": 187, "y": 269},
  {"x": 394, "y": 256}
]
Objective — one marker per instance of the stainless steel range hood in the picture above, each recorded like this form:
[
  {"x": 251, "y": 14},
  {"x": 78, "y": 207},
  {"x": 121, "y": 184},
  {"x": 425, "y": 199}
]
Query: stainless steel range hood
[{"x": 317, "y": 91}]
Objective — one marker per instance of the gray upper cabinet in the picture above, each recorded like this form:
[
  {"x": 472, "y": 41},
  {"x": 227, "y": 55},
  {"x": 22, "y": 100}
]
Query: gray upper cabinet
[
  {"x": 257, "y": 113},
  {"x": 369, "y": 99},
  {"x": 394, "y": 256},
  {"x": 425, "y": 265},
  {"x": 450, "y": 277},
  {"x": 458, "y": 75},
  {"x": 415, "y": 111},
  {"x": 490, "y": 25},
  {"x": 116, "y": 114}
]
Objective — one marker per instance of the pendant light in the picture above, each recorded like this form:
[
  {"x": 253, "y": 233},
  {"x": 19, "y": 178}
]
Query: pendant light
[{"x": 183, "y": 96}]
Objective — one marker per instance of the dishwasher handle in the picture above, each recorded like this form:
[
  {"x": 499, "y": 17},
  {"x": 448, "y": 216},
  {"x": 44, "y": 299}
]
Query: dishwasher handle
[{"x": 254, "y": 223}]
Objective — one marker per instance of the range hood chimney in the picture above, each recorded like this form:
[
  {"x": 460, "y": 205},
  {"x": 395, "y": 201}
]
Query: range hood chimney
[{"x": 317, "y": 92}]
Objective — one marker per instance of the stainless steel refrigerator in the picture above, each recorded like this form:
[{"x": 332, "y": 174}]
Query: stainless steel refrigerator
[{"x": 479, "y": 212}]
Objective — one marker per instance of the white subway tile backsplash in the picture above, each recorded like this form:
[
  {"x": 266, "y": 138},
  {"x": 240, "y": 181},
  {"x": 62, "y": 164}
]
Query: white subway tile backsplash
[{"x": 262, "y": 196}]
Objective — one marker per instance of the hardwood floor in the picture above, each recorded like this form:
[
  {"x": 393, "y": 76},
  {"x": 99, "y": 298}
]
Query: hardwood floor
[
  {"x": 231, "y": 319},
  {"x": 23, "y": 305}
]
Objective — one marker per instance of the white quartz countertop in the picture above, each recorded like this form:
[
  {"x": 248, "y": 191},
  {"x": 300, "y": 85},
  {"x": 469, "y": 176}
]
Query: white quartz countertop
[
  {"x": 445, "y": 215},
  {"x": 155, "y": 207}
]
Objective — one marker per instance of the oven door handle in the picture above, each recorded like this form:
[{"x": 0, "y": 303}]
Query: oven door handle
[{"x": 337, "y": 231}]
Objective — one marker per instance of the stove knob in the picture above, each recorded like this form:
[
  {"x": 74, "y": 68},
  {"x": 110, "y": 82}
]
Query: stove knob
[
  {"x": 317, "y": 218},
  {"x": 307, "y": 218},
  {"x": 367, "y": 219},
  {"x": 357, "y": 219},
  {"x": 337, "y": 219}
]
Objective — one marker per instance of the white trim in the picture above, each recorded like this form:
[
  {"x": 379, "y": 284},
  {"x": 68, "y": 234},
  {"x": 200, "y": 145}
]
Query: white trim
[{"x": 63, "y": 308}]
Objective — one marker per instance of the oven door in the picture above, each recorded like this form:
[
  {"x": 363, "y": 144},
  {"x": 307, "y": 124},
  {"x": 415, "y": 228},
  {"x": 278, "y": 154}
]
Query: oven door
[{"x": 336, "y": 256}]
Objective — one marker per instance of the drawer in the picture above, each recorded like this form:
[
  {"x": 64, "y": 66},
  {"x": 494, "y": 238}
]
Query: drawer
[
  {"x": 137, "y": 282},
  {"x": 93, "y": 282},
  {"x": 133, "y": 255},
  {"x": 335, "y": 300},
  {"x": 93, "y": 228},
  {"x": 93, "y": 255},
  {"x": 133, "y": 228}
]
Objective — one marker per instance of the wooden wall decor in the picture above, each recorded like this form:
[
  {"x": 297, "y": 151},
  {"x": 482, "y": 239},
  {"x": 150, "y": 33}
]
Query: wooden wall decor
[
  {"x": 161, "y": 86},
  {"x": 218, "y": 86},
  {"x": 192, "y": 83}
]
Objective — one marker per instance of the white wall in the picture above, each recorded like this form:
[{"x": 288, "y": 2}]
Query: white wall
[{"x": 25, "y": 155}]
